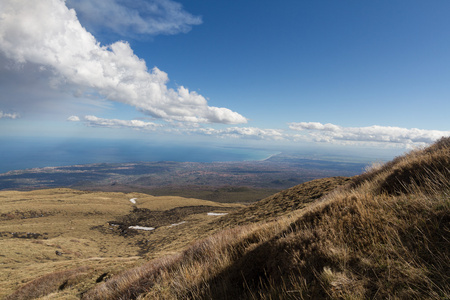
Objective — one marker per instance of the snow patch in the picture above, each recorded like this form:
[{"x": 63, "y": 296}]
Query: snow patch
[
  {"x": 216, "y": 214},
  {"x": 176, "y": 224},
  {"x": 141, "y": 228},
  {"x": 133, "y": 200}
]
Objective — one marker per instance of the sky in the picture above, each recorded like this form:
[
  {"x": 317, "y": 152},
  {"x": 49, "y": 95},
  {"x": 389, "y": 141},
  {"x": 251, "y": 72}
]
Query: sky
[{"x": 328, "y": 73}]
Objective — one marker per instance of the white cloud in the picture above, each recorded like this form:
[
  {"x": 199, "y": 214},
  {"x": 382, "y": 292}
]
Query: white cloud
[
  {"x": 94, "y": 121},
  {"x": 8, "y": 115},
  {"x": 134, "y": 17},
  {"x": 183, "y": 128},
  {"x": 314, "y": 126},
  {"x": 242, "y": 132},
  {"x": 380, "y": 136},
  {"x": 73, "y": 119},
  {"x": 372, "y": 134},
  {"x": 48, "y": 34}
]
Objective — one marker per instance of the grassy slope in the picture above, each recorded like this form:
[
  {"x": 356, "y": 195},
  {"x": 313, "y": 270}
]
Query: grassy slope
[
  {"x": 283, "y": 203},
  {"x": 34, "y": 225},
  {"x": 224, "y": 194},
  {"x": 385, "y": 236}
]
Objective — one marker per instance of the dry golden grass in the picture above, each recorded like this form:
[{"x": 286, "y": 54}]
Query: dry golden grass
[
  {"x": 284, "y": 202},
  {"x": 49, "y": 283},
  {"x": 35, "y": 225},
  {"x": 386, "y": 237}
]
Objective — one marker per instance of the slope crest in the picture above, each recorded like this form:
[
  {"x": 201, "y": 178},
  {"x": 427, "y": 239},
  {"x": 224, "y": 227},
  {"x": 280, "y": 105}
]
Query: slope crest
[{"x": 283, "y": 203}]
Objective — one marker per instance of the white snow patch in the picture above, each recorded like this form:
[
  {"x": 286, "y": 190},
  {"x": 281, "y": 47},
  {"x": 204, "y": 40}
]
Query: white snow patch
[
  {"x": 133, "y": 200},
  {"x": 216, "y": 214},
  {"x": 141, "y": 228},
  {"x": 176, "y": 224}
]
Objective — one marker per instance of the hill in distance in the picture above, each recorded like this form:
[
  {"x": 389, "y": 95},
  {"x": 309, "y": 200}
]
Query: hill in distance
[{"x": 383, "y": 234}]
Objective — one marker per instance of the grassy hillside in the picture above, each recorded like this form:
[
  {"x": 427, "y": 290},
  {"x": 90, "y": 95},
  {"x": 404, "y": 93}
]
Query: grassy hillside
[
  {"x": 70, "y": 232},
  {"x": 283, "y": 203},
  {"x": 382, "y": 235}
]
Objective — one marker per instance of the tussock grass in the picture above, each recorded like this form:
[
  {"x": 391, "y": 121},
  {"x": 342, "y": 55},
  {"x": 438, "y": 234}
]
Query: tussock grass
[
  {"x": 284, "y": 202},
  {"x": 49, "y": 283},
  {"x": 427, "y": 169},
  {"x": 386, "y": 236}
]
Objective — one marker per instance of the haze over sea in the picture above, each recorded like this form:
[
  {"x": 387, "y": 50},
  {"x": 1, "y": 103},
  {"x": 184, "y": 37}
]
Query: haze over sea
[
  {"x": 19, "y": 153},
  {"x": 26, "y": 153}
]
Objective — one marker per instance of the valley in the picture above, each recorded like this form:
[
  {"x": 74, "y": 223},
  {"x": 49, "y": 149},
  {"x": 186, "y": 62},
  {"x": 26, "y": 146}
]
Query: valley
[{"x": 52, "y": 230}]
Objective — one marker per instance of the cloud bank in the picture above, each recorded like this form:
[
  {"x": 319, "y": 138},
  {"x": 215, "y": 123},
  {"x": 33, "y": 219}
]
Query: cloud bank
[
  {"x": 243, "y": 132},
  {"x": 381, "y": 136},
  {"x": 134, "y": 17},
  {"x": 8, "y": 115},
  {"x": 372, "y": 134},
  {"x": 49, "y": 34},
  {"x": 94, "y": 121},
  {"x": 231, "y": 132}
]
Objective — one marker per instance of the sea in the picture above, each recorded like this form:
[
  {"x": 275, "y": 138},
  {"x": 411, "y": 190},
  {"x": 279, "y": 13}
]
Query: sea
[{"x": 27, "y": 153}]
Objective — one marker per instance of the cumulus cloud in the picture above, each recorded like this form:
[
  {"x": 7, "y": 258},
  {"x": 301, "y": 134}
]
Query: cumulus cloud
[
  {"x": 134, "y": 17},
  {"x": 314, "y": 126},
  {"x": 371, "y": 134},
  {"x": 8, "y": 115},
  {"x": 94, "y": 121},
  {"x": 47, "y": 33}
]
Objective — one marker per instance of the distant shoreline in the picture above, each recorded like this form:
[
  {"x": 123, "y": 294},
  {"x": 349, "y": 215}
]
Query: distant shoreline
[
  {"x": 22, "y": 154},
  {"x": 270, "y": 156}
]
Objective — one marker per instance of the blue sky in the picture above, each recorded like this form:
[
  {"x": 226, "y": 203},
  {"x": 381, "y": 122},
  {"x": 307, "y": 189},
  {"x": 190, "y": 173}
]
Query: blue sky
[{"x": 353, "y": 73}]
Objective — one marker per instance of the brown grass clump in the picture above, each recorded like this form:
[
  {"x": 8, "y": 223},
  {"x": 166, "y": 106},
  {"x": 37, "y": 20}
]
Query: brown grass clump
[
  {"x": 424, "y": 169},
  {"x": 181, "y": 271},
  {"x": 387, "y": 236},
  {"x": 284, "y": 202},
  {"x": 56, "y": 281}
]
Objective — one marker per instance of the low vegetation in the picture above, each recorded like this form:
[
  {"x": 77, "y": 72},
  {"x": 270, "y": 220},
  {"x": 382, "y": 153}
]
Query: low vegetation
[
  {"x": 284, "y": 202},
  {"x": 382, "y": 235},
  {"x": 47, "y": 284},
  {"x": 57, "y": 230}
]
